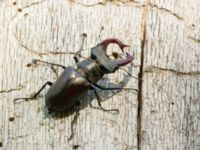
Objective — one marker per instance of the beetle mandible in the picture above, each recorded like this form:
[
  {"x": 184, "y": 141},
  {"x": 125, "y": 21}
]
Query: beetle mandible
[{"x": 73, "y": 84}]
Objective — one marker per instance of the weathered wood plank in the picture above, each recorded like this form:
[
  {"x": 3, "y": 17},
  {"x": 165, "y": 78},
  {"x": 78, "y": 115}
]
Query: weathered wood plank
[
  {"x": 45, "y": 30},
  {"x": 168, "y": 34},
  {"x": 170, "y": 115}
]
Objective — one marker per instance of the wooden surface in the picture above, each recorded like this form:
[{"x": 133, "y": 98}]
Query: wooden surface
[{"x": 165, "y": 39}]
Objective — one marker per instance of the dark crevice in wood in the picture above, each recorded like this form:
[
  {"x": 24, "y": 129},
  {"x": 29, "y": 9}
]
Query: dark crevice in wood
[
  {"x": 154, "y": 69},
  {"x": 140, "y": 75}
]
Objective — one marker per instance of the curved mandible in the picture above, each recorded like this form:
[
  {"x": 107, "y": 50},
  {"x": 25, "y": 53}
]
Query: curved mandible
[
  {"x": 126, "y": 61},
  {"x": 108, "y": 41},
  {"x": 122, "y": 62}
]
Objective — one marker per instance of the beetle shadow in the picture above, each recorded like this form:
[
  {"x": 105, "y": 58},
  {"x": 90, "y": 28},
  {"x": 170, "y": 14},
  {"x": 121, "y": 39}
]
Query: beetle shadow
[{"x": 90, "y": 96}]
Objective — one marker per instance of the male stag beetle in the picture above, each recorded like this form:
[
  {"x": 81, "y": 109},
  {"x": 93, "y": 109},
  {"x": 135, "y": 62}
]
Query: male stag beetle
[{"x": 73, "y": 84}]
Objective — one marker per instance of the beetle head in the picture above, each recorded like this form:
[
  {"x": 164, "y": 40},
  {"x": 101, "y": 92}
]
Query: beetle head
[{"x": 99, "y": 54}]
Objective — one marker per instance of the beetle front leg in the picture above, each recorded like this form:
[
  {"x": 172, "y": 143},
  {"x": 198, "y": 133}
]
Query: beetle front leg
[
  {"x": 99, "y": 99},
  {"x": 53, "y": 64},
  {"x": 35, "y": 95},
  {"x": 78, "y": 53}
]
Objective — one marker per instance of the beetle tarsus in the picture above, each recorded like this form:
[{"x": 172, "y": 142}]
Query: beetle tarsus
[{"x": 35, "y": 95}]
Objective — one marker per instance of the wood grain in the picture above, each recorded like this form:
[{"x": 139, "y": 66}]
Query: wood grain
[
  {"x": 171, "y": 93},
  {"x": 46, "y": 30},
  {"x": 164, "y": 37}
]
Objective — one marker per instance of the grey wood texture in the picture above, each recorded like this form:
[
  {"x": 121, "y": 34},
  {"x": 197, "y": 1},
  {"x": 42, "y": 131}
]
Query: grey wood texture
[{"x": 165, "y": 39}]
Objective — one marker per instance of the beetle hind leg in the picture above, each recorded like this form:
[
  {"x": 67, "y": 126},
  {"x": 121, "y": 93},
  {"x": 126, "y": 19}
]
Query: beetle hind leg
[
  {"x": 35, "y": 95},
  {"x": 74, "y": 120},
  {"x": 99, "y": 99}
]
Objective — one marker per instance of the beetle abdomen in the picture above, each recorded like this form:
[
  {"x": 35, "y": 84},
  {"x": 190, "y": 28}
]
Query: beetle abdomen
[{"x": 69, "y": 88}]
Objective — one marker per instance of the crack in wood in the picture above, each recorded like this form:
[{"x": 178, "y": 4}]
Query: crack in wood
[
  {"x": 32, "y": 4},
  {"x": 42, "y": 53},
  {"x": 12, "y": 89},
  {"x": 135, "y": 3},
  {"x": 166, "y": 11},
  {"x": 115, "y": 2},
  {"x": 194, "y": 39},
  {"x": 140, "y": 75},
  {"x": 154, "y": 69},
  {"x": 19, "y": 137},
  {"x": 25, "y": 7}
]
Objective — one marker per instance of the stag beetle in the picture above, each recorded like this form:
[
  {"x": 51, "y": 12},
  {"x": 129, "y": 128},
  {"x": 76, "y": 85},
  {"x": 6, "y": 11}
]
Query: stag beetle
[{"x": 73, "y": 84}]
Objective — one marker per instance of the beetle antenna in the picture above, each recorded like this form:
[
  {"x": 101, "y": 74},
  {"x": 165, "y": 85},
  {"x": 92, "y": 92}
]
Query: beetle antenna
[{"x": 74, "y": 121}]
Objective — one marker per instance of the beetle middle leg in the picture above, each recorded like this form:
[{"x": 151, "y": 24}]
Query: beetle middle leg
[
  {"x": 35, "y": 95},
  {"x": 113, "y": 88},
  {"x": 99, "y": 99}
]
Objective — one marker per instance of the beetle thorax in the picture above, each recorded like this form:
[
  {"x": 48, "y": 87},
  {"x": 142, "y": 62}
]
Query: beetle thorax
[{"x": 90, "y": 69}]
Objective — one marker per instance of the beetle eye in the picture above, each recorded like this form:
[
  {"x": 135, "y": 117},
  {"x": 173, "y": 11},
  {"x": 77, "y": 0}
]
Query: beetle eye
[{"x": 93, "y": 57}]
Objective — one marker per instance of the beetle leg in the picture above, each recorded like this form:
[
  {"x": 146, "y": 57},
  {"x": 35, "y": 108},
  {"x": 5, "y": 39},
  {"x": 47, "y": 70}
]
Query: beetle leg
[
  {"x": 74, "y": 120},
  {"x": 53, "y": 64},
  {"x": 130, "y": 75},
  {"x": 99, "y": 99},
  {"x": 35, "y": 95},
  {"x": 112, "y": 88},
  {"x": 78, "y": 53}
]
